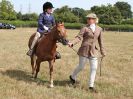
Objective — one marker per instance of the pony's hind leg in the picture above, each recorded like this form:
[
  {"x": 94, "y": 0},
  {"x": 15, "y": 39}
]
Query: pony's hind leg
[
  {"x": 33, "y": 63},
  {"x": 51, "y": 73},
  {"x": 37, "y": 67}
]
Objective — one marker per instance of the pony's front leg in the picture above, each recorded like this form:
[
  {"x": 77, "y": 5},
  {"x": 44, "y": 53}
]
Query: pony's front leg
[
  {"x": 33, "y": 64},
  {"x": 37, "y": 67},
  {"x": 51, "y": 73}
]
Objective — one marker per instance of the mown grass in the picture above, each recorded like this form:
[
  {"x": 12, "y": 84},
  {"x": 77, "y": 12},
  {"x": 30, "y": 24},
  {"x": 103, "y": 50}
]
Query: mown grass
[{"x": 116, "y": 81}]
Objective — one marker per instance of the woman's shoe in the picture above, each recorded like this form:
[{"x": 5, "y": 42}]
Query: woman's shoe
[
  {"x": 92, "y": 89},
  {"x": 72, "y": 80}
]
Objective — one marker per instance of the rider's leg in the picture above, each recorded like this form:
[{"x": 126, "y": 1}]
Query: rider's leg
[{"x": 37, "y": 36}]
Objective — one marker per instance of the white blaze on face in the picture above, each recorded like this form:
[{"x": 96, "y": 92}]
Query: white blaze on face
[{"x": 63, "y": 30}]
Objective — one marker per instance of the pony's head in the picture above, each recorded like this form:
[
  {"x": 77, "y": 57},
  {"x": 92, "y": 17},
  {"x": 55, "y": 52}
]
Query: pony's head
[{"x": 61, "y": 33}]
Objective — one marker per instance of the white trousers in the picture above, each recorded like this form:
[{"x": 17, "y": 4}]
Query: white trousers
[
  {"x": 37, "y": 36},
  {"x": 93, "y": 67}
]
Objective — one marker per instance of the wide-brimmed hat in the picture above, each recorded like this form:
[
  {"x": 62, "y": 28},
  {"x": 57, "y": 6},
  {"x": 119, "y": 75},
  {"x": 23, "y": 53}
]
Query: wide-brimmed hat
[{"x": 94, "y": 16}]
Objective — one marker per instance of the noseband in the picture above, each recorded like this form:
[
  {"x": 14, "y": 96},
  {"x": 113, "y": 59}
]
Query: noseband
[{"x": 63, "y": 41}]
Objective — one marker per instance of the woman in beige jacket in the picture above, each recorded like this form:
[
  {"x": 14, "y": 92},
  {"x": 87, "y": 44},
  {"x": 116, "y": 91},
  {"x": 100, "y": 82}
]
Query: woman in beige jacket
[{"x": 89, "y": 35}]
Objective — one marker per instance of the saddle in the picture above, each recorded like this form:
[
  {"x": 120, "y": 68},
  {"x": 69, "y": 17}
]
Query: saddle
[{"x": 42, "y": 35}]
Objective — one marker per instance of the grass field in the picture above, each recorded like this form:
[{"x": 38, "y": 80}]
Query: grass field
[{"x": 116, "y": 81}]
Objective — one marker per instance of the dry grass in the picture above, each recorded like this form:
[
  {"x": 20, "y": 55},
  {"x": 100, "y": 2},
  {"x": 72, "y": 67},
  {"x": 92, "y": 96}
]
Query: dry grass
[{"x": 16, "y": 82}]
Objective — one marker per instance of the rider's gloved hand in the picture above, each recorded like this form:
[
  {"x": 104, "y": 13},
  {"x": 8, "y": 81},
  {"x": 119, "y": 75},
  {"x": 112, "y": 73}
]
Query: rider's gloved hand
[{"x": 46, "y": 28}]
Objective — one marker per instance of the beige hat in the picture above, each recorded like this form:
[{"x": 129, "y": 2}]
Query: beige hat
[{"x": 92, "y": 15}]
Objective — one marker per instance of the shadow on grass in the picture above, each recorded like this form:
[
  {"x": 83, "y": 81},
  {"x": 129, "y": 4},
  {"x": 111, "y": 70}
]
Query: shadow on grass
[
  {"x": 61, "y": 82},
  {"x": 20, "y": 75}
]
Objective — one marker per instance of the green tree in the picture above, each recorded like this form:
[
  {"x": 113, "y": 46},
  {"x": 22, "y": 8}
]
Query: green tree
[
  {"x": 7, "y": 11},
  {"x": 65, "y": 15},
  {"x": 30, "y": 17},
  {"x": 81, "y": 13},
  {"x": 33, "y": 17},
  {"x": 107, "y": 14},
  {"x": 125, "y": 9},
  {"x": 19, "y": 16}
]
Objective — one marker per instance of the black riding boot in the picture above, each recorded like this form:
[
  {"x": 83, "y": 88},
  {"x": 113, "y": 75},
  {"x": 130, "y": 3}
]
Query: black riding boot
[
  {"x": 57, "y": 56},
  {"x": 30, "y": 52}
]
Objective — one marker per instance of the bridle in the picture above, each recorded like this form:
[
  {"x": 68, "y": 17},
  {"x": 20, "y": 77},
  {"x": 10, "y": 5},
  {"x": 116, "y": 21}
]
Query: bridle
[{"x": 62, "y": 39}]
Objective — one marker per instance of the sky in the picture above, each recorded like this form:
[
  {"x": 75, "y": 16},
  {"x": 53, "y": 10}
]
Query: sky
[{"x": 36, "y": 5}]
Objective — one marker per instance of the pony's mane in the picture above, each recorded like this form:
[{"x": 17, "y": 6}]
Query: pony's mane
[{"x": 53, "y": 28}]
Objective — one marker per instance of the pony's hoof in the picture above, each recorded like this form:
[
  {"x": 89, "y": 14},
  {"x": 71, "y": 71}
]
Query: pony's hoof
[
  {"x": 51, "y": 86},
  {"x": 35, "y": 77},
  {"x": 32, "y": 76}
]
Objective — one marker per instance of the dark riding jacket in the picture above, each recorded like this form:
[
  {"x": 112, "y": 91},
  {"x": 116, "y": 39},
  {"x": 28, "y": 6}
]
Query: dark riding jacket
[{"x": 45, "y": 20}]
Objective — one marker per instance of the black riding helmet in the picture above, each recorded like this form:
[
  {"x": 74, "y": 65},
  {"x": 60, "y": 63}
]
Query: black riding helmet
[{"x": 47, "y": 5}]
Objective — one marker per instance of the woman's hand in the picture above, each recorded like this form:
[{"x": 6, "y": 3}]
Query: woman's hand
[{"x": 70, "y": 44}]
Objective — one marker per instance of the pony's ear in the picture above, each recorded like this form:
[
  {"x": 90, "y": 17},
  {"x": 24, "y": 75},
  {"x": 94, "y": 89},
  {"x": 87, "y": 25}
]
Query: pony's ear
[{"x": 59, "y": 22}]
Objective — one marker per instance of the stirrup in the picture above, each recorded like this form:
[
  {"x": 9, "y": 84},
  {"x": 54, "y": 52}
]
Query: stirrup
[{"x": 57, "y": 56}]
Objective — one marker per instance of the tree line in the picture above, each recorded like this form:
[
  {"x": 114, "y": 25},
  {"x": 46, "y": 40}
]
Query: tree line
[
  {"x": 7, "y": 12},
  {"x": 118, "y": 13}
]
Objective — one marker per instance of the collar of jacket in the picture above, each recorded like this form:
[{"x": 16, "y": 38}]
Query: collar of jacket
[
  {"x": 45, "y": 13},
  {"x": 93, "y": 27},
  {"x": 88, "y": 26}
]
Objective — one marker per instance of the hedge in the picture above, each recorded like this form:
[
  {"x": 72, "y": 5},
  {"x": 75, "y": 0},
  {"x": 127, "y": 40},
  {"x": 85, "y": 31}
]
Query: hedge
[
  {"x": 19, "y": 23},
  {"x": 128, "y": 21},
  {"x": 73, "y": 25},
  {"x": 123, "y": 27}
]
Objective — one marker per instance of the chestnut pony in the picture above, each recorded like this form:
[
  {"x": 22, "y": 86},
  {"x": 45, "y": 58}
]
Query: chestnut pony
[{"x": 45, "y": 49}]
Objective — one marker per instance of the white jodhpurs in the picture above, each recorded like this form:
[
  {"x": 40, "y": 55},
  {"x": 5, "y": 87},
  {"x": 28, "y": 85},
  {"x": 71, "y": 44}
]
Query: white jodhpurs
[
  {"x": 37, "y": 36},
  {"x": 93, "y": 67}
]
